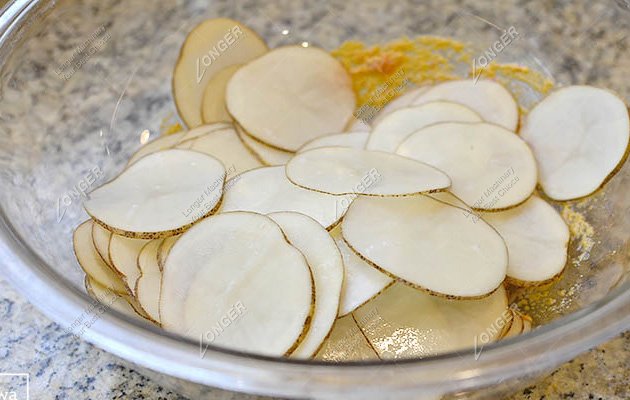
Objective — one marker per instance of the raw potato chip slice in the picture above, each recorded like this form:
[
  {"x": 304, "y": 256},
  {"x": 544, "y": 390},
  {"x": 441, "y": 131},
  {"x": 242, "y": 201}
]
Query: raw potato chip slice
[
  {"x": 158, "y": 144},
  {"x": 361, "y": 281},
  {"x": 537, "y": 239},
  {"x": 404, "y": 100},
  {"x": 580, "y": 136},
  {"x": 234, "y": 281},
  {"x": 268, "y": 155},
  {"x": 393, "y": 129},
  {"x": 355, "y": 140},
  {"x": 202, "y": 131},
  {"x": 346, "y": 343},
  {"x": 213, "y": 107},
  {"x": 491, "y": 167},
  {"x": 493, "y": 102},
  {"x": 165, "y": 248},
  {"x": 267, "y": 190},
  {"x": 403, "y": 322},
  {"x": 516, "y": 328},
  {"x": 109, "y": 298},
  {"x": 291, "y": 95},
  {"x": 324, "y": 259},
  {"x": 226, "y": 147},
  {"x": 428, "y": 244},
  {"x": 101, "y": 237},
  {"x": 149, "y": 283},
  {"x": 91, "y": 262},
  {"x": 123, "y": 256},
  {"x": 210, "y": 47},
  {"x": 340, "y": 170},
  {"x": 159, "y": 195}
]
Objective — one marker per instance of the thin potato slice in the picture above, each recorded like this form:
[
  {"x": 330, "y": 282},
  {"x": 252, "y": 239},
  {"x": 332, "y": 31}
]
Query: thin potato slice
[
  {"x": 101, "y": 237},
  {"x": 210, "y": 47},
  {"x": 493, "y": 102},
  {"x": 110, "y": 299},
  {"x": 342, "y": 170},
  {"x": 123, "y": 256},
  {"x": 355, "y": 140},
  {"x": 402, "y": 101},
  {"x": 346, "y": 343},
  {"x": 361, "y": 281},
  {"x": 165, "y": 248},
  {"x": 393, "y": 129},
  {"x": 428, "y": 244},
  {"x": 226, "y": 147},
  {"x": 268, "y": 155},
  {"x": 537, "y": 239},
  {"x": 91, "y": 262},
  {"x": 580, "y": 137},
  {"x": 213, "y": 107},
  {"x": 517, "y": 326},
  {"x": 291, "y": 95},
  {"x": 234, "y": 281},
  {"x": 149, "y": 284},
  {"x": 357, "y": 125},
  {"x": 202, "y": 131},
  {"x": 403, "y": 322},
  {"x": 266, "y": 190},
  {"x": 160, "y": 195},
  {"x": 158, "y": 144},
  {"x": 324, "y": 259},
  {"x": 491, "y": 167}
]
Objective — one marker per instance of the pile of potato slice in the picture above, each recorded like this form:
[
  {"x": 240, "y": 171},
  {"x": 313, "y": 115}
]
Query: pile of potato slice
[{"x": 271, "y": 227}]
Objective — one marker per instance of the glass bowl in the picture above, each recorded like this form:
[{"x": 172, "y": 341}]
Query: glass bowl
[{"x": 81, "y": 81}]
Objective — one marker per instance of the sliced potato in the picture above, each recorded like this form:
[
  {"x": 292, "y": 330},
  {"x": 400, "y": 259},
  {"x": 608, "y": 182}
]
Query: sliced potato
[
  {"x": 266, "y": 190},
  {"x": 527, "y": 324},
  {"x": 346, "y": 343},
  {"x": 324, "y": 259},
  {"x": 227, "y": 147},
  {"x": 158, "y": 144},
  {"x": 267, "y": 155},
  {"x": 355, "y": 140},
  {"x": 403, "y": 322},
  {"x": 491, "y": 168},
  {"x": 516, "y": 328},
  {"x": 533, "y": 228},
  {"x": 357, "y": 125},
  {"x": 123, "y": 256},
  {"x": 160, "y": 195},
  {"x": 109, "y": 298},
  {"x": 91, "y": 262},
  {"x": 493, "y": 102},
  {"x": 149, "y": 284},
  {"x": 165, "y": 248},
  {"x": 580, "y": 137},
  {"x": 361, "y": 281},
  {"x": 213, "y": 107},
  {"x": 393, "y": 129},
  {"x": 210, "y": 47},
  {"x": 101, "y": 237},
  {"x": 402, "y": 101},
  {"x": 291, "y": 95},
  {"x": 201, "y": 131},
  {"x": 246, "y": 287},
  {"x": 428, "y": 244},
  {"x": 343, "y": 170}
]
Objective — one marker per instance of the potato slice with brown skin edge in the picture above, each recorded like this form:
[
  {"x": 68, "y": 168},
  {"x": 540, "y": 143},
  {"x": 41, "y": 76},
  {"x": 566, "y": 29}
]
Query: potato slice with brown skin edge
[
  {"x": 149, "y": 284},
  {"x": 291, "y": 95},
  {"x": 198, "y": 61},
  {"x": 268, "y": 155},
  {"x": 158, "y": 144},
  {"x": 355, "y": 140},
  {"x": 91, "y": 262},
  {"x": 123, "y": 256},
  {"x": 213, "y": 107},
  {"x": 101, "y": 237},
  {"x": 164, "y": 249},
  {"x": 346, "y": 343},
  {"x": 404, "y": 100},
  {"x": 111, "y": 299},
  {"x": 202, "y": 131}
]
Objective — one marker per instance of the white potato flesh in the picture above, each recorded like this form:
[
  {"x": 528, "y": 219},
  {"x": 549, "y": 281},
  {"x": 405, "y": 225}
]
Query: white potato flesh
[
  {"x": 361, "y": 281},
  {"x": 392, "y": 130},
  {"x": 160, "y": 143},
  {"x": 266, "y": 190},
  {"x": 580, "y": 136},
  {"x": 324, "y": 259},
  {"x": 109, "y": 298},
  {"x": 160, "y": 195},
  {"x": 202, "y": 131},
  {"x": 491, "y": 167},
  {"x": 164, "y": 249},
  {"x": 101, "y": 237},
  {"x": 226, "y": 147},
  {"x": 403, "y": 322},
  {"x": 213, "y": 107},
  {"x": 537, "y": 239},
  {"x": 493, "y": 102},
  {"x": 291, "y": 95},
  {"x": 428, "y": 244},
  {"x": 149, "y": 283},
  {"x": 234, "y": 281},
  {"x": 210, "y": 47},
  {"x": 342, "y": 170},
  {"x": 123, "y": 256},
  {"x": 91, "y": 262},
  {"x": 346, "y": 343},
  {"x": 358, "y": 125},
  {"x": 267, "y": 154},
  {"x": 355, "y": 140},
  {"x": 402, "y": 101}
]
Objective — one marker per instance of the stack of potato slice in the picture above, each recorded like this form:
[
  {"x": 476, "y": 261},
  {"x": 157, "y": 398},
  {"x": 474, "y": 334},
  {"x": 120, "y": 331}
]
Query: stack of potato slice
[{"x": 267, "y": 227}]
